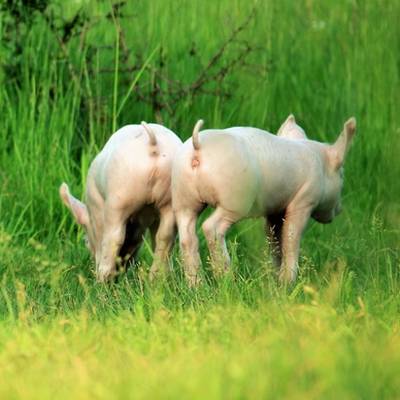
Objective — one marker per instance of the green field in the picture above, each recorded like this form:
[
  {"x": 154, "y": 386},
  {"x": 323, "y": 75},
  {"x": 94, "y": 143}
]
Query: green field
[{"x": 72, "y": 72}]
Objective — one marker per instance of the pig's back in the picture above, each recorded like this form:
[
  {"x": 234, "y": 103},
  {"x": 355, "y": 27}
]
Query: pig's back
[
  {"x": 132, "y": 142},
  {"x": 284, "y": 166}
]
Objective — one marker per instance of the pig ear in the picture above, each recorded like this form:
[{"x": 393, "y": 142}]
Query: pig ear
[
  {"x": 339, "y": 150},
  {"x": 77, "y": 208},
  {"x": 289, "y": 122},
  {"x": 290, "y": 129}
]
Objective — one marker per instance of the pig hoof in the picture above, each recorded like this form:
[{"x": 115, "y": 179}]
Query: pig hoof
[
  {"x": 287, "y": 277},
  {"x": 158, "y": 271},
  {"x": 105, "y": 276},
  {"x": 194, "y": 280},
  {"x": 220, "y": 270},
  {"x": 154, "y": 276}
]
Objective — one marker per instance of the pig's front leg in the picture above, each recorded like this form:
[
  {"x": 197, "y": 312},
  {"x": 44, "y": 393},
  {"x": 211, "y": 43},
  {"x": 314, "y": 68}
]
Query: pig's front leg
[
  {"x": 274, "y": 233},
  {"x": 164, "y": 239},
  {"x": 113, "y": 238},
  {"x": 295, "y": 221},
  {"x": 189, "y": 245}
]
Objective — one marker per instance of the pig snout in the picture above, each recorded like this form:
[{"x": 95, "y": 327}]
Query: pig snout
[
  {"x": 326, "y": 217},
  {"x": 104, "y": 273},
  {"x": 323, "y": 218}
]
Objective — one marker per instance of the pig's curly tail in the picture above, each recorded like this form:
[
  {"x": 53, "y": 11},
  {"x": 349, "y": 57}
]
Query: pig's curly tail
[
  {"x": 195, "y": 134},
  {"x": 149, "y": 131}
]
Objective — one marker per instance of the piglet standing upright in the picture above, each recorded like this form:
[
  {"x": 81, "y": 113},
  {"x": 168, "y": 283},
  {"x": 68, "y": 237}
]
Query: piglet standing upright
[
  {"x": 128, "y": 191},
  {"x": 247, "y": 172}
]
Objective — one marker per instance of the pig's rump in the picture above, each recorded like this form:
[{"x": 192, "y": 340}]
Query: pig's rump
[
  {"x": 129, "y": 171},
  {"x": 224, "y": 174}
]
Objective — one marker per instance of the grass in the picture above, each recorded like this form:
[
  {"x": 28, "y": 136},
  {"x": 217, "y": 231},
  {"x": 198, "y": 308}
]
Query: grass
[
  {"x": 230, "y": 351},
  {"x": 335, "y": 334}
]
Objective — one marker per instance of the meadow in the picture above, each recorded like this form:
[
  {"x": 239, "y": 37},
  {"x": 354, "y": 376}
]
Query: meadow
[{"x": 73, "y": 72}]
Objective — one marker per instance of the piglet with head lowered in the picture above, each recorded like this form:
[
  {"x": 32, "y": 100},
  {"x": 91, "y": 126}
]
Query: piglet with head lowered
[
  {"x": 128, "y": 191},
  {"x": 247, "y": 172}
]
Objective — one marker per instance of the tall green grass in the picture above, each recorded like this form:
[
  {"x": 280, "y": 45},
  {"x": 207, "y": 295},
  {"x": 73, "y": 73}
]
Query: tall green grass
[{"x": 334, "y": 334}]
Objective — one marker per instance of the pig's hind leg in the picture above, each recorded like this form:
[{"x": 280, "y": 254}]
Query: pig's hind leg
[
  {"x": 189, "y": 243},
  {"x": 164, "y": 239},
  {"x": 215, "y": 228}
]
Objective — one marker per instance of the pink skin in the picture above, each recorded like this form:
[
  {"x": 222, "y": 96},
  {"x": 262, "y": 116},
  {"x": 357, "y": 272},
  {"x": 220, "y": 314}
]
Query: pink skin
[
  {"x": 128, "y": 191},
  {"x": 246, "y": 172}
]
